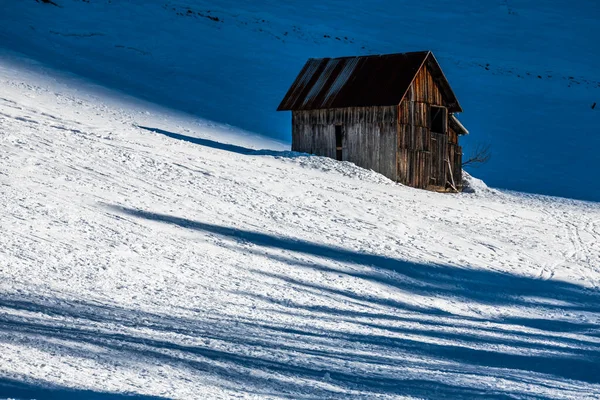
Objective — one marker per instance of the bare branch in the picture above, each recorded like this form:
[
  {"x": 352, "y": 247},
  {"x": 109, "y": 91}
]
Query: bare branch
[{"x": 481, "y": 155}]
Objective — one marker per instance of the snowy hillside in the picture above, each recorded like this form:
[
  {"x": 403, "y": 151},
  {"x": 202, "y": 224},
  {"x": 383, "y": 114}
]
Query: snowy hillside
[
  {"x": 158, "y": 240},
  {"x": 526, "y": 72},
  {"x": 150, "y": 254}
]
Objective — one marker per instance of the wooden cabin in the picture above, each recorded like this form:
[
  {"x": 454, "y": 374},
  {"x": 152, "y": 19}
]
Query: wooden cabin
[{"x": 394, "y": 114}]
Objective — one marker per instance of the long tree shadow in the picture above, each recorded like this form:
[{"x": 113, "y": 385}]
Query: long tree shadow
[
  {"x": 203, "y": 142},
  {"x": 27, "y": 389},
  {"x": 575, "y": 361},
  {"x": 255, "y": 346},
  {"x": 439, "y": 319},
  {"x": 223, "y": 146},
  {"x": 371, "y": 352},
  {"x": 483, "y": 286}
]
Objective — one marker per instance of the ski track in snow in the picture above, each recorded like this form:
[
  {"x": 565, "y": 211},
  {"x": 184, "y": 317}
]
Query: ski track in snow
[{"x": 134, "y": 262}]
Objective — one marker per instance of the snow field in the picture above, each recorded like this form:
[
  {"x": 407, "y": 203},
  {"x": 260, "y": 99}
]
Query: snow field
[{"x": 134, "y": 262}]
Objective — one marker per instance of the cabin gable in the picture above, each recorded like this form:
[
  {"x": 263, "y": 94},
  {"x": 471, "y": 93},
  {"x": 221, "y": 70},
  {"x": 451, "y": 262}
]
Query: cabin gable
[{"x": 428, "y": 151}]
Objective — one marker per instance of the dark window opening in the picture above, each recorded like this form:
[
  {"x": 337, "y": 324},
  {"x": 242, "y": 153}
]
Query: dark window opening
[
  {"x": 439, "y": 119},
  {"x": 338, "y": 142}
]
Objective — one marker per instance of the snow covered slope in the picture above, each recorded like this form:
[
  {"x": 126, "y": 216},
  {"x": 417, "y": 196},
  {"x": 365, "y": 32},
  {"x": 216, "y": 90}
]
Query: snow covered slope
[
  {"x": 525, "y": 71},
  {"x": 150, "y": 254}
]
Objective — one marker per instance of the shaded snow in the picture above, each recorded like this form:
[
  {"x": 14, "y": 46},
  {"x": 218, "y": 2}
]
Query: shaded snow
[{"x": 525, "y": 72}]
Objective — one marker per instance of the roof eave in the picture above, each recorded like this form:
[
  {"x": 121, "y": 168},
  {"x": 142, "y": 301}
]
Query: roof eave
[
  {"x": 455, "y": 106},
  {"x": 461, "y": 128}
]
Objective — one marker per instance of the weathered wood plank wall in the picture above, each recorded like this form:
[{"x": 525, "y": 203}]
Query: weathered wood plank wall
[
  {"x": 370, "y": 135},
  {"x": 423, "y": 157}
]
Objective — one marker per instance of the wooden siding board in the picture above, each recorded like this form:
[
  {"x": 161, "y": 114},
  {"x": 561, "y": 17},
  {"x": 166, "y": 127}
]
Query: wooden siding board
[
  {"x": 425, "y": 89},
  {"x": 452, "y": 135},
  {"x": 388, "y": 153},
  {"x": 413, "y": 168}
]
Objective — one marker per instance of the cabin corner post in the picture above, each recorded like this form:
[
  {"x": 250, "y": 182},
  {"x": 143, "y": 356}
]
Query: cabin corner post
[{"x": 294, "y": 132}]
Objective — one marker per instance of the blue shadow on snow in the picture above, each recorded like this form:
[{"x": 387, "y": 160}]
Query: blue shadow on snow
[
  {"x": 15, "y": 389},
  {"x": 435, "y": 339},
  {"x": 202, "y": 142}
]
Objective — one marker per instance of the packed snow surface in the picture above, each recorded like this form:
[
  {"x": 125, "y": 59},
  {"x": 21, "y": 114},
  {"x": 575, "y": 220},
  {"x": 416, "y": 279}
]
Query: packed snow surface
[{"x": 152, "y": 254}]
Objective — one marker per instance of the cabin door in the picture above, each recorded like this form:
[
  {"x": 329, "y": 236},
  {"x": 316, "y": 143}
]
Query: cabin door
[
  {"x": 439, "y": 163},
  {"x": 438, "y": 124},
  {"x": 339, "y": 143}
]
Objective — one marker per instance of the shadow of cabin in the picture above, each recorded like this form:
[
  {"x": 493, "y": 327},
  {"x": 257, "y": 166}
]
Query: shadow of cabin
[{"x": 391, "y": 113}]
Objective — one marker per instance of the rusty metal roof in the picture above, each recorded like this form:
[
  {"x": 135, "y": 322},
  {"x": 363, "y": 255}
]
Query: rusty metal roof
[{"x": 363, "y": 81}]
